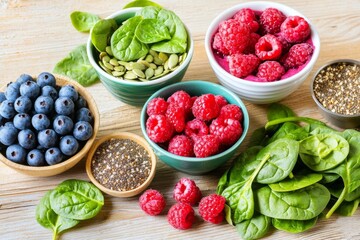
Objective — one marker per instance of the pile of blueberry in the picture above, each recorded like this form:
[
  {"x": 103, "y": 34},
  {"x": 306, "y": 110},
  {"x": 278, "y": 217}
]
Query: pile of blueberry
[{"x": 42, "y": 123}]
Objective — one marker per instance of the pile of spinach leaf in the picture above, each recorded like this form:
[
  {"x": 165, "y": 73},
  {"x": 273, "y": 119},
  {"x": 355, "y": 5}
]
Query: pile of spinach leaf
[{"x": 294, "y": 168}]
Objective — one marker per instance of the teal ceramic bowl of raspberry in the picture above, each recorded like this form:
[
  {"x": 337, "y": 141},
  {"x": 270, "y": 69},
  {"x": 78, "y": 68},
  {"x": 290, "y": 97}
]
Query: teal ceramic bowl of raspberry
[
  {"x": 196, "y": 165},
  {"x": 272, "y": 61}
]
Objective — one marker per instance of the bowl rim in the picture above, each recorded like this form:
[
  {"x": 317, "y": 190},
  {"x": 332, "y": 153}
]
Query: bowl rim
[
  {"x": 318, "y": 103},
  {"x": 166, "y": 77},
  {"x": 122, "y": 135},
  {"x": 261, "y": 4},
  {"x": 246, "y": 121}
]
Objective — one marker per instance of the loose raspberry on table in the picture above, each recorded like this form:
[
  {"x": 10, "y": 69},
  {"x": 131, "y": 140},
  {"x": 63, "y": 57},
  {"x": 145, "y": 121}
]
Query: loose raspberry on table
[
  {"x": 156, "y": 106},
  {"x": 205, "y": 107},
  {"x": 298, "y": 55},
  {"x": 270, "y": 71},
  {"x": 247, "y": 16},
  {"x": 159, "y": 129},
  {"x": 227, "y": 130},
  {"x": 182, "y": 99},
  {"x": 254, "y": 38},
  {"x": 186, "y": 191},
  {"x": 181, "y": 145},
  {"x": 181, "y": 216},
  {"x": 176, "y": 116},
  {"x": 196, "y": 128},
  {"x": 152, "y": 202},
  {"x": 218, "y": 44},
  {"x": 295, "y": 29},
  {"x": 206, "y": 146},
  {"x": 271, "y": 20},
  {"x": 231, "y": 111},
  {"x": 235, "y": 35},
  {"x": 211, "y": 208},
  {"x": 242, "y": 65},
  {"x": 220, "y": 100},
  {"x": 268, "y": 48}
]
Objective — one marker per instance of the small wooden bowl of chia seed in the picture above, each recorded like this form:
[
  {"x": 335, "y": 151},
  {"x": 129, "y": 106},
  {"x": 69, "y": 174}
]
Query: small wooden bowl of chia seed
[
  {"x": 336, "y": 91},
  {"x": 121, "y": 164}
]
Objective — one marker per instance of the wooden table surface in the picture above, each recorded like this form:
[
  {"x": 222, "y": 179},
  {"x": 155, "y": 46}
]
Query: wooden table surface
[{"x": 36, "y": 34}]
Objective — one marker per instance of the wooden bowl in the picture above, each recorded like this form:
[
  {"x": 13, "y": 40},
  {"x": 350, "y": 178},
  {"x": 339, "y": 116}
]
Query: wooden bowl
[
  {"x": 122, "y": 135},
  {"x": 45, "y": 171}
]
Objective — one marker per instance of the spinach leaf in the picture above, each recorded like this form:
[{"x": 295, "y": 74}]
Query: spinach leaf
[
  {"x": 101, "y": 33},
  {"x": 278, "y": 111},
  {"x": 258, "y": 137},
  {"x": 223, "y": 182},
  {"x": 323, "y": 151},
  {"x": 141, "y": 3},
  {"x": 124, "y": 44},
  {"x": 308, "y": 120},
  {"x": 76, "y": 199},
  {"x": 291, "y": 131},
  {"x": 348, "y": 208},
  {"x": 254, "y": 228},
  {"x": 302, "y": 204},
  {"x": 77, "y": 66},
  {"x": 329, "y": 177},
  {"x": 83, "y": 21},
  {"x": 149, "y": 12},
  {"x": 294, "y": 226},
  {"x": 296, "y": 183},
  {"x": 152, "y": 31}
]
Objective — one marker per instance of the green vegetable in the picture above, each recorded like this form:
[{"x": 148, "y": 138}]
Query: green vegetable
[
  {"x": 254, "y": 228},
  {"x": 101, "y": 33},
  {"x": 258, "y": 138},
  {"x": 312, "y": 121},
  {"x": 294, "y": 226},
  {"x": 290, "y": 130},
  {"x": 329, "y": 177},
  {"x": 141, "y": 3},
  {"x": 83, "y": 21},
  {"x": 296, "y": 183},
  {"x": 278, "y": 111},
  {"x": 152, "y": 31},
  {"x": 77, "y": 66},
  {"x": 348, "y": 208},
  {"x": 149, "y": 12},
  {"x": 227, "y": 211}
]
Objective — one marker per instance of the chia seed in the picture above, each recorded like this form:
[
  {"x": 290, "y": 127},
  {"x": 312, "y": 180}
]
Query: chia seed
[{"x": 121, "y": 164}]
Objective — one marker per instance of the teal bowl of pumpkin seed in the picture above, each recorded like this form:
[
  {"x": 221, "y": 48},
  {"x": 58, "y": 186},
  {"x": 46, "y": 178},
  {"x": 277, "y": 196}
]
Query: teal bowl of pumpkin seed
[{"x": 137, "y": 51}]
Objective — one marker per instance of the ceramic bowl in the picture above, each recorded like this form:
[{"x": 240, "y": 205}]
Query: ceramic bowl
[
  {"x": 45, "y": 171},
  {"x": 259, "y": 92},
  {"x": 136, "y": 93},
  {"x": 122, "y": 135},
  {"x": 194, "y": 165}
]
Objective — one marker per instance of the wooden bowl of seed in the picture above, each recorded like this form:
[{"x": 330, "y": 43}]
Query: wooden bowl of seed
[
  {"x": 335, "y": 89},
  {"x": 121, "y": 164}
]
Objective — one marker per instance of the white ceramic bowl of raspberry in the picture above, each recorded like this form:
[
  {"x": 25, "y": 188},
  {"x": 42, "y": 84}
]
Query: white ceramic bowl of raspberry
[{"x": 260, "y": 92}]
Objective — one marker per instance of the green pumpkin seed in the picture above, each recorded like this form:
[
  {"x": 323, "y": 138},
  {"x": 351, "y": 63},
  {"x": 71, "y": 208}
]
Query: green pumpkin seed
[
  {"x": 143, "y": 79},
  {"x": 149, "y": 73},
  {"x": 163, "y": 56},
  {"x": 122, "y": 63},
  {"x": 108, "y": 65},
  {"x": 138, "y": 73},
  {"x": 158, "y": 70},
  {"x": 114, "y": 62},
  {"x": 153, "y": 53},
  {"x": 158, "y": 61},
  {"x": 149, "y": 58},
  {"x": 130, "y": 75},
  {"x": 182, "y": 57},
  {"x": 136, "y": 65},
  {"x": 173, "y": 61},
  {"x": 166, "y": 65},
  {"x": 144, "y": 62},
  {"x": 117, "y": 74},
  {"x": 103, "y": 67},
  {"x": 119, "y": 68},
  {"x": 106, "y": 59},
  {"x": 153, "y": 65},
  {"x": 109, "y": 51},
  {"x": 102, "y": 54}
]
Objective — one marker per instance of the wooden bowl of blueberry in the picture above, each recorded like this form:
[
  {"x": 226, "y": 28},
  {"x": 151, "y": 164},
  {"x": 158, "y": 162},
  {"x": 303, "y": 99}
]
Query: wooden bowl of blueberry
[{"x": 47, "y": 124}]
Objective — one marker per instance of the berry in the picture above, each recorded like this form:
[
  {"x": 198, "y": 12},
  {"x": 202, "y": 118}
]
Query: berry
[
  {"x": 30, "y": 89},
  {"x": 218, "y": 44},
  {"x": 235, "y": 35},
  {"x": 285, "y": 44},
  {"x": 181, "y": 216},
  {"x": 254, "y": 38},
  {"x": 227, "y": 130},
  {"x": 186, "y": 191},
  {"x": 69, "y": 91},
  {"x": 181, "y": 99},
  {"x": 49, "y": 91},
  {"x": 22, "y": 121},
  {"x": 298, "y": 55},
  {"x": 247, "y": 16},
  {"x": 181, "y": 145},
  {"x": 68, "y": 145},
  {"x": 16, "y": 153},
  {"x": 211, "y": 208},
  {"x": 83, "y": 131},
  {"x": 7, "y": 109},
  {"x": 35, "y": 158},
  {"x": 12, "y": 91},
  {"x": 84, "y": 114},
  {"x": 24, "y": 78},
  {"x": 271, "y": 20},
  {"x": 268, "y": 48},
  {"x": 220, "y": 100},
  {"x": 40, "y": 121},
  {"x": 27, "y": 139},
  {"x": 64, "y": 106},
  {"x": 53, "y": 156},
  {"x": 206, "y": 146},
  {"x": 2, "y": 97},
  {"x": 8, "y": 134},
  {"x": 242, "y": 65},
  {"x": 270, "y": 71},
  {"x": 196, "y": 128},
  {"x": 46, "y": 79},
  {"x": 159, "y": 129},
  {"x": 44, "y": 104},
  {"x": 295, "y": 29},
  {"x": 231, "y": 111},
  {"x": 176, "y": 116},
  {"x": 205, "y": 107},
  {"x": 47, "y": 138},
  {"x": 81, "y": 102},
  {"x": 23, "y": 104},
  {"x": 152, "y": 202},
  {"x": 156, "y": 106}
]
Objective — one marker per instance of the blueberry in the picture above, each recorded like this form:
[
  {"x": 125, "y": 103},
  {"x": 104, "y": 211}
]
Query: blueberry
[
  {"x": 24, "y": 78},
  {"x": 47, "y": 138},
  {"x": 64, "y": 106},
  {"x": 12, "y": 91},
  {"x": 2, "y": 97},
  {"x": 30, "y": 89},
  {"x": 44, "y": 104},
  {"x": 27, "y": 139},
  {"x": 7, "y": 109},
  {"x": 68, "y": 145},
  {"x": 80, "y": 103},
  {"x": 82, "y": 131},
  {"x": 63, "y": 125},
  {"x": 40, "y": 121},
  {"x": 46, "y": 79},
  {"x": 8, "y": 134},
  {"x": 53, "y": 156},
  {"x": 23, "y": 104},
  {"x": 50, "y": 92},
  {"x": 84, "y": 114},
  {"x": 69, "y": 91},
  {"x": 35, "y": 158},
  {"x": 22, "y": 121},
  {"x": 16, "y": 153}
]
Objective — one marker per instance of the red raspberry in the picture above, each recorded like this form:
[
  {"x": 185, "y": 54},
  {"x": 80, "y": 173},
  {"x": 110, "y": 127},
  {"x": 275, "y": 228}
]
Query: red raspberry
[
  {"x": 176, "y": 116},
  {"x": 205, "y": 107},
  {"x": 156, "y": 106},
  {"x": 271, "y": 20},
  {"x": 220, "y": 100},
  {"x": 182, "y": 99},
  {"x": 181, "y": 145},
  {"x": 242, "y": 65},
  {"x": 268, "y": 48},
  {"x": 186, "y": 191},
  {"x": 196, "y": 128},
  {"x": 159, "y": 129},
  {"x": 218, "y": 44},
  {"x": 285, "y": 44},
  {"x": 254, "y": 38},
  {"x": 298, "y": 55},
  {"x": 152, "y": 202},
  {"x": 270, "y": 71},
  {"x": 231, "y": 111},
  {"x": 206, "y": 146},
  {"x": 235, "y": 35},
  {"x": 181, "y": 216},
  {"x": 295, "y": 29},
  {"x": 227, "y": 130},
  {"x": 247, "y": 16},
  {"x": 211, "y": 208}
]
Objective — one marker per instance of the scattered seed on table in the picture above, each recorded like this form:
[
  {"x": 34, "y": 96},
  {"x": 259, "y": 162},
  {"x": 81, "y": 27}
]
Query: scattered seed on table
[{"x": 121, "y": 164}]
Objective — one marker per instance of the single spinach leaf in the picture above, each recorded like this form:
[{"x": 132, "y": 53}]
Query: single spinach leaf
[
  {"x": 254, "y": 228},
  {"x": 289, "y": 130},
  {"x": 296, "y": 183},
  {"x": 149, "y": 12},
  {"x": 152, "y": 31},
  {"x": 141, "y": 3},
  {"x": 294, "y": 226},
  {"x": 277, "y": 111},
  {"x": 101, "y": 33},
  {"x": 310, "y": 121},
  {"x": 258, "y": 137},
  {"x": 83, "y": 21},
  {"x": 76, "y": 199},
  {"x": 77, "y": 67},
  {"x": 348, "y": 208},
  {"x": 228, "y": 217},
  {"x": 223, "y": 182},
  {"x": 329, "y": 177}
]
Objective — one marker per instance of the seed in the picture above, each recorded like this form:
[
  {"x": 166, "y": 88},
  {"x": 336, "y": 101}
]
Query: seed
[
  {"x": 149, "y": 58},
  {"x": 108, "y": 65},
  {"x": 182, "y": 57},
  {"x": 105, "y": 68},
  {"x": 102, "y": 54},
  {"x": 119, "y": 68},
  {"x": 163, "y": 56},
  {"x": 136, "y": 65},
  {"x": 153, "y": 53},
  {"x": 158, "y": 61},
  {"x": 158, "y": 70},
  {"x": 173, "y": 61},
  {"x": 152, "y": 65},
  {"x": 130, "y": 75},
  {"x": 114, "y": 62},
  {"x": 109, "y": 51},
  {"x": 149, "y": 73},
  {"x": 138, "y": 73},
  {"x": 117, "y": 74},
  {"x": 106, "y": 59},
  {"x": 166, "y": 65},
  {"x": 145, "y": 63}
]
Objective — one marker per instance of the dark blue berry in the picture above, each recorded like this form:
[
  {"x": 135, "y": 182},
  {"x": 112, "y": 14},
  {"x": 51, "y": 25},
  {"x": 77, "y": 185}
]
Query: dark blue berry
[
  {"x": 24, "y": 78},
  {"x": 2, "y": 97},
  {"x": 12, "y": 91},
  {"x": 46, "y": 79},
  {"x": 40, "y": 121},
  {"x": 16, "y": 153},
  {"x": 47, "y": 138},
  {"x": 63, "y": 125},
  {"x": 84, "y": 114},
  {"x": 30, "y": 89},
  {"x": 82, "y": 131},
  {"x": 8, "y": 134},
  {"x": 64, "y": 106},
  {"x": 27, "y": 139},
  {"x": 23, "y": 104},
  {"x": 81, "y": 102},
  {"x": 50, "y": 92},
  {"x": 53, "y": 156},
  {"x": 44, "y": 104},
  {"x": 7, "y": 109},
  {"x": 35, "y": 158},
  {"x": 22, "y": 121},
  {"x": 68, "y": 145},
  {"x": 69, "y": 91}
]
